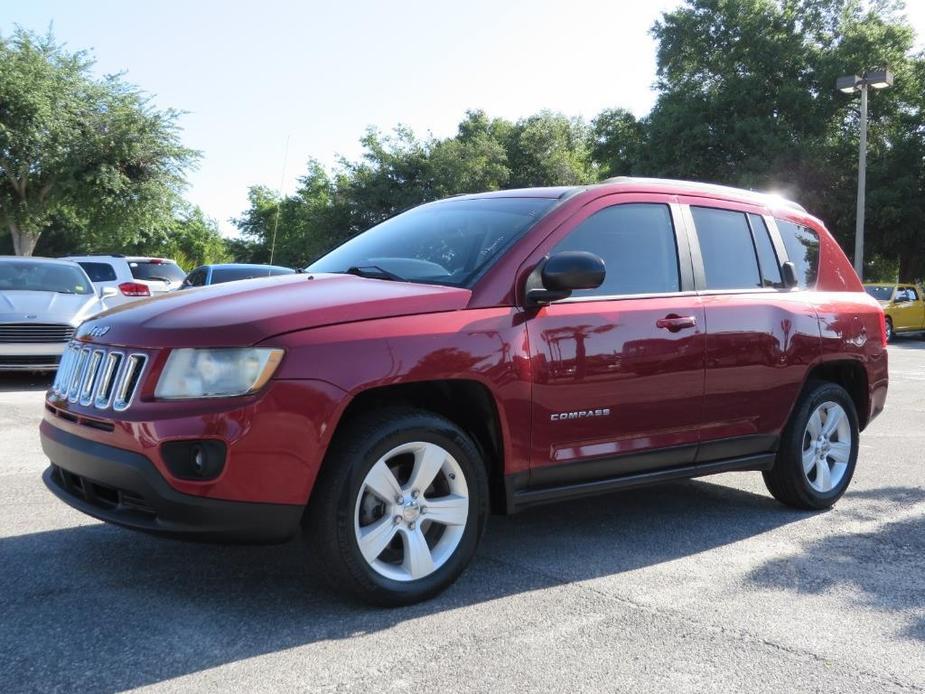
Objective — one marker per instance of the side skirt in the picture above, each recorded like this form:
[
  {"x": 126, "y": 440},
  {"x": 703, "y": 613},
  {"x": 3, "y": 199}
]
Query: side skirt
[{"x": 520, "y": 495}]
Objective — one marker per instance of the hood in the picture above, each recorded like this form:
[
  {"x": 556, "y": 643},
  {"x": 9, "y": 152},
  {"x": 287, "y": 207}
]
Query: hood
[
  {"x": 248, "y": 311},
  {"x": 46, "y": 307}
]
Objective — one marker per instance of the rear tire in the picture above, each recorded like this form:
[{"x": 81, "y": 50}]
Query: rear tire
[
  {"x": 399, "y": 507},
  {"x": 818, "y": 450}
]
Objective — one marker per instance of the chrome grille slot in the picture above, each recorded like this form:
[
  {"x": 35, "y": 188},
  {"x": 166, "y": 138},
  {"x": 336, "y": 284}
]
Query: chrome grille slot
[
  {"x": 62, "y": 370},
  {"x": 128, "y": 380},
  {"x": 107, "y": 380},
  {"x": 88, "y": 388},
  {"x": 73, "y": 352},
  {"x": 79, "y": 369},
  {"x": 99, "y": 377}
]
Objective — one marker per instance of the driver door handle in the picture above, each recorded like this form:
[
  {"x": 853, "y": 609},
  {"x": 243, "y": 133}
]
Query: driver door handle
[{"x": 673, "y": 322}]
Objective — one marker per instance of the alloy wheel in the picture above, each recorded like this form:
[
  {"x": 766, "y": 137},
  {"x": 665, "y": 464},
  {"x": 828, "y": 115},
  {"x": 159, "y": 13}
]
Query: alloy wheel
[
  {"x": 826, "y": 447},
  {"x": 411, "y": 511}
]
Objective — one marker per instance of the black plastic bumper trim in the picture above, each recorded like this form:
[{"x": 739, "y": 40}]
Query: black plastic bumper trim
[{"x": 124, "y": 488}]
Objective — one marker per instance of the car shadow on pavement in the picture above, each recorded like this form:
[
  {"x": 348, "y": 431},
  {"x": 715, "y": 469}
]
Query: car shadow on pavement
[
  {"x": 867, "y": 563},
  {"x": 99, "y": 608},
  {"x": 913, "y": 341},
  {"x": 19, "y": 381}
]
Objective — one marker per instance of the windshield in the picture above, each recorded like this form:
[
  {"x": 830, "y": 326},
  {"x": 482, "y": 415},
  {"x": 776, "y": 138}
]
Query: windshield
[
  {"x": 31, "y": 276},
  {"x": 165, "y": 270},
  {"x": 881, "y": 292},
  {"x": 449, "y": 242}
]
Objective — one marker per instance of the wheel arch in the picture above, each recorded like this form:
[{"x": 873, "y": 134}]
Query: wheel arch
[
  {"x": 851, "y": 375},
  {"x": 467, "y": 403}
]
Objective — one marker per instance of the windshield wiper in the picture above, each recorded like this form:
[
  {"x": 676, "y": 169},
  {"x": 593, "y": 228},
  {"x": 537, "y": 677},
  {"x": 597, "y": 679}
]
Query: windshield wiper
[{"x": 373, "y": 272}]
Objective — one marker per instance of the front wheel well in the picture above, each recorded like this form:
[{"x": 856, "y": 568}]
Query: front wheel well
[
  {"x": 851, "y": 376},
  {"x": 468, "y": 404}
]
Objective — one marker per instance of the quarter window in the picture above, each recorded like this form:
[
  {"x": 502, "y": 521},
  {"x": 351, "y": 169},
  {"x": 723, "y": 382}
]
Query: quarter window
[
  {"x": 767, "y": 258},
  {"x": 802, "y": 246},
  {"x": 729, "y": 259},
  {"x": 906, "y": 294},
  {"x": 98, "y": 272},
  {"x": 637, "y": 245}
]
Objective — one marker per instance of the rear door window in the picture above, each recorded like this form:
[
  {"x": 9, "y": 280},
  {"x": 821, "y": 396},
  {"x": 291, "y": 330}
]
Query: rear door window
[
  {"x": 802, "y": 246},
  {"x": 156, "y": 270},
  {"x": 636, "y": 241},
  {"x": 727, "y": 249},
  {"x": 98, "y": 272}
]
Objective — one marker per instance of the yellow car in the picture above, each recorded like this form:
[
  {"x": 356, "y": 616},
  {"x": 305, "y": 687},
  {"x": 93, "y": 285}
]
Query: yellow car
[{"x": 903, "y": 304}]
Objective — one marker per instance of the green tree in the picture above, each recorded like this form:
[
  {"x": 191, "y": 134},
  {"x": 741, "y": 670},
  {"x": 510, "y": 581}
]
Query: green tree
[
  {"x": 746, "y": 97},
  {"x": 90, "y": 152},
  {"x": 549, "y": 149},
  {"x": 616, "y": 141}
]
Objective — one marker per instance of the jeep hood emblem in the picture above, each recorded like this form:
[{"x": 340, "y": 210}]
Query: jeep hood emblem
[{"x": 98, "y": 330}]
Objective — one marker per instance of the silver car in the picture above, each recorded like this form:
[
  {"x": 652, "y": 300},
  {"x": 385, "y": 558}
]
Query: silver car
[{"x": 42, "y": 302}]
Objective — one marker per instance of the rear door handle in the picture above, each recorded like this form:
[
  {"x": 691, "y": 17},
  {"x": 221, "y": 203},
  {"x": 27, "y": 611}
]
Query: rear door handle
[{"x": 673, "y": 322}]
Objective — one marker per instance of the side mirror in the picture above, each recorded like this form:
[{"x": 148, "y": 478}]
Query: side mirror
[
  {"x": 559, "y": 275},
  {"x": 788, "y": 273},
  {"x": 106, "y": 292}
]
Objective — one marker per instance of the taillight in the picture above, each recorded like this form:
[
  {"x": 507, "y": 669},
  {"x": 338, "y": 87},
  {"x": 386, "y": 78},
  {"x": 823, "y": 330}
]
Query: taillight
[
  {"x": 883, "y": 329},
  {"x": 134, "y": 289}
]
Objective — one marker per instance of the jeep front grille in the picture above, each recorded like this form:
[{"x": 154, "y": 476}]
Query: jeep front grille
[{"x": 100, "y": 377}]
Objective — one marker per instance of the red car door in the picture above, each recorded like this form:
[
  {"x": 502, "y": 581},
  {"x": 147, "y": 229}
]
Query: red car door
[
  {"x": 618, "y": 370},
  {"x": 760, "y": 337}
]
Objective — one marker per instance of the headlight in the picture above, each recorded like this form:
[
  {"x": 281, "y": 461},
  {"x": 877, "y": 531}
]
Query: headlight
[{"x": 215, "y": 373}]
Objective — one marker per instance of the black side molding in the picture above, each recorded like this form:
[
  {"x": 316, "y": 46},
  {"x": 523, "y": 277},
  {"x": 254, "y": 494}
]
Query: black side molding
[{"x": 520, "y": 496}]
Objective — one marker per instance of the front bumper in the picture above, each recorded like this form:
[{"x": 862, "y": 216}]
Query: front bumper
[
  {"x": 26, "y": 356},
  {"x": 125, "y": 488}
]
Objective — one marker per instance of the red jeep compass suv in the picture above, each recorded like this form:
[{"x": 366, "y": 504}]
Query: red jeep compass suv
[{"x": 484, "y": 352}]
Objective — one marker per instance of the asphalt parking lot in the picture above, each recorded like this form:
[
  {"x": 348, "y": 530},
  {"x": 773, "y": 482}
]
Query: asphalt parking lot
[{"x": 703, "y": 585}]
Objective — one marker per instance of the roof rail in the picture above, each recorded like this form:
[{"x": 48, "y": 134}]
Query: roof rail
[{"x": 731, "y": 191}]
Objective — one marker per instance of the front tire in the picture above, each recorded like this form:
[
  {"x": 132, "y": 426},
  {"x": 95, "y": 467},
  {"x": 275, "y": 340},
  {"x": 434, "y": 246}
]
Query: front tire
[
  {"x": 399, "y": 508},
  {"x": 889, "y": 329},
  {"x": 818, "y": 451}
]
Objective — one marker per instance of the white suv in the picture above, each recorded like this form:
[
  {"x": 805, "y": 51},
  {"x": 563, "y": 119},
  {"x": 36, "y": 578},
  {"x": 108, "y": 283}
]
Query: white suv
[{"x": 133, "y": 277}]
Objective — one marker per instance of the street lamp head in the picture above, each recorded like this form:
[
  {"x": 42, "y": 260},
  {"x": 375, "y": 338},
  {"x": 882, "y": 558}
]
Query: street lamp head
[
  {"x": 848, "y": 83},
  {"x": 879, "y": 79}
]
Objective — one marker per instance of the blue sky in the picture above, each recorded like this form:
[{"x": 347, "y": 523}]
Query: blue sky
[{"x": 254, "y": 75}]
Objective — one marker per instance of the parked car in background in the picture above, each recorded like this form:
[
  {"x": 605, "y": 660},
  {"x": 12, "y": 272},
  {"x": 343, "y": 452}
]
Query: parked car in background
[
  {"x": 42, "y": 302},
  {"x": 903, "y": 304},
  {"x": 205, "y": 275},
  {"x": 491, "y": 351},
  {"x": 133, "y": 277}
]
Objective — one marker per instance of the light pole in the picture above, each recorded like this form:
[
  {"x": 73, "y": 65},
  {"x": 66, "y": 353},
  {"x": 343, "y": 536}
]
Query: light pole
[{"x": 877, "y": 79}]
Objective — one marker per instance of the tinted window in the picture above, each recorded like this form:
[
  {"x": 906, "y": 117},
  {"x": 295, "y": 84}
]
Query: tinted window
[
  {"x": 880, "y": 292},
  {"x": 767, "y": 258},
  {"x": 729, "y": 259},
  {"x": 156, "y": 270},
  {"x": 196, "y": 278},
  {"x": 802, "y": 246},
  {"x": 230, "y": 274},
  {"x": 99, "y": 272},
  {"x": 637, "y": 245},
  {"x": 448, "y": 242}
]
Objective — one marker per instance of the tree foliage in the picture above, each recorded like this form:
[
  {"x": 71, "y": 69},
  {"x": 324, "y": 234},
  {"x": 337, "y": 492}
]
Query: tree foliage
[
  {"x": 91, "y": 154},
  {"x": 745, "y": 97}
]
